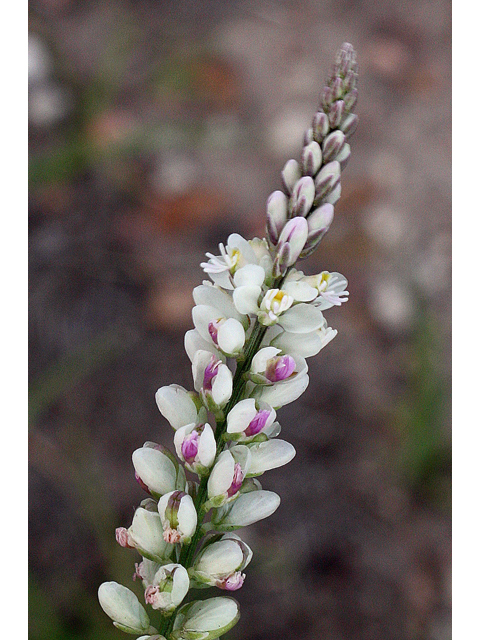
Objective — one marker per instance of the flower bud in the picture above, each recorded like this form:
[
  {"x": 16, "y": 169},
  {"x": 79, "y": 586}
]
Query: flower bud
[
  {"x": 319, "y": 222},
  {"x": 337, "y": 111},
  {"x": 205, "y": 619},
  {"x": 334, "y": 196},
  {"x": 227, "y": 334},
  {"x": 227, "y": 475},
  {"x": 146, "y": 535},
  {"x": 179, "y": 517},
  {"x": 220, "y": 563},
  {"x": 248, "y": 420},
  {"x": 327, "y": 179},
  {"x": 213, "y": 379},
  {"x": 332, "y": 145},
  {"x": 123, "y": 607},
  {"x": 277, "y": 211},
  {"x": 290, "y": 175},
  {"x": 311, "y": 158},
  {"x": 247, "y": 509},
  {"x": 308, "y": 136},
  {"x": 343, "y": 156},
  {"x": 294, "y": 235},
  {"x": 157, "y": 470},
  {"x": 351, "y": 100},
  {"x": 302, "y": 196},
  {"x": 176, "y": 405},
  {"x": 320, "y": 126},
  {"x": 337, "y": 88},
  {"x": 349, "y": 124},
  {"x": 350, "y": 80},
  {"x": 168, "y": 589},
  {"x": 196, "y": 446},
  {"x": 269, "y": 455},
  {"x": 274, "y": 303}
]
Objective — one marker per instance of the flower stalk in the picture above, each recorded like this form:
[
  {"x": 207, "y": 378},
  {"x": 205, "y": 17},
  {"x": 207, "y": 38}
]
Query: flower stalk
[{"x": 255, "y": 325}]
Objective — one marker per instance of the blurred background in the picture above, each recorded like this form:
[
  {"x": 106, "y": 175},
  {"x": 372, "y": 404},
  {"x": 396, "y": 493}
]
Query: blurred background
[{"x": 156, "y": 129}]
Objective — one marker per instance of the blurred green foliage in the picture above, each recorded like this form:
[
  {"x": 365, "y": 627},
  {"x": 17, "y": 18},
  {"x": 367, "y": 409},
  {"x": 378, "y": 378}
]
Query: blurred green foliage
[{"x": 424, "y": 455}]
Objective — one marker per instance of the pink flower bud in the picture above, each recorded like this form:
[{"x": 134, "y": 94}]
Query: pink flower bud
[
  {"x": 190, "y": 447},
  {"x": 238, "y": 477},
  {"x": 280, "y": 368},
  {"x": 211, "y": 371},
  {"x": 257, "y": 424}
]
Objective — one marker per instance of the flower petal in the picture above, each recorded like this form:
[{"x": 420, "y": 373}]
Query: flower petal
[{"x": 301, "y": 318}]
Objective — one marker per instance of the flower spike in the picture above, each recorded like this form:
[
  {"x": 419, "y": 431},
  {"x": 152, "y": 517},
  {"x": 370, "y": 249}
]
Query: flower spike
[{"x": 256, "y": 321}]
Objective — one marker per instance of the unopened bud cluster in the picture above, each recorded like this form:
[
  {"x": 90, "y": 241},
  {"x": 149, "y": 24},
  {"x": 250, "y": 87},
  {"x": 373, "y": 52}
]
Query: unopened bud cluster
[
  {"x": 255, "y": 324},
  {"x": 299, "y": 216}
]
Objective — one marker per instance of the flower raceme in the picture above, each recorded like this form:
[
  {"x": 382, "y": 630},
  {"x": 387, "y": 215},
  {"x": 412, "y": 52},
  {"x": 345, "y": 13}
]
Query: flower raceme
[{"x": 255, "y": 323}]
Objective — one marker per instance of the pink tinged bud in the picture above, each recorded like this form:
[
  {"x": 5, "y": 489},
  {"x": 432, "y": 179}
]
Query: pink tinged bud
[
  {"x": 123, "y": 538},
  {"x": 349, "y": 124},
  {"x": 233, "y": 582},
  {"x": 280, "y": 368},
  {"x": 190, "y": 447},
  {"x": 291, "y": 173},
  {"x": 213, "y": 331},
  {"x": 332, "y": 145},
  {"x": 337, "y": 111},
  {"x": 320, "y": 126},
  {"x": 327, "y": 179},
  {"x": 237, "y": 480},
  {"x": 293, "y": 236},
  {"x": 277, "y": 211},
  {"x": 302, "y": 196},
  {"x": 211, "y": 371},
  {"x": 311, "y": 158},
  {"x": 142, "y": 483},
  {"x": 257, "y": 424}
]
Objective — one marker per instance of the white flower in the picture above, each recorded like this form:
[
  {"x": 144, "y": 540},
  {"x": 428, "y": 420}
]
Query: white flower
[
  {"x": 227, "y": 334},
  {"x": 248, "y": 420},
  {"x": 157, "y": 470},
  {"x": 304, "y": 344},
  {"x": 205, "y": 619},
  {"x": 169, "y": 587},
  {"x": 248, "y": 286},
  {"x": 274, "y": 303},
  {"x": 227, "y": 475},
  {"x": 146, "y": 535},
  {"x": 176, "y": 404},
  {"x": 331, "y": 289},
  {"x": 178, "y": 515},
  {"x": 245, "y": 510},
  {"x": 281, "y": 379},
  {"x": 123, "y": 607},
  {"x": 213, "y": 379},
  {"x": 221, "y": 563},
  {"x": 235, "y": 255},
  {"x": 194, "y": 342},
  {"x": 325, "y": 289},
  {"x": 269, "y": 455},
  {"x": 196, "y": 446}
]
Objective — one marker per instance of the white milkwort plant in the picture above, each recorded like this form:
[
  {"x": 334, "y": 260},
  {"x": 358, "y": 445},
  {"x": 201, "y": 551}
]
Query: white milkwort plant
[{"x": 255, "y": 324}]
